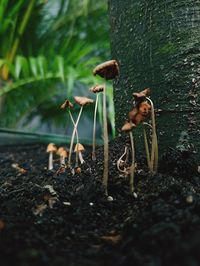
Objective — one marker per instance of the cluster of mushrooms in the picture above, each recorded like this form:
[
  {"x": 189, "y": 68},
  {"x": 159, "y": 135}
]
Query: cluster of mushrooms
[{"x": 143, "y": 108}]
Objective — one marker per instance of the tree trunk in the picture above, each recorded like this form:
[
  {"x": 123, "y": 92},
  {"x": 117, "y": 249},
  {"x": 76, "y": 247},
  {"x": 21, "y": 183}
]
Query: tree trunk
[{"x": 157, "y": 44}]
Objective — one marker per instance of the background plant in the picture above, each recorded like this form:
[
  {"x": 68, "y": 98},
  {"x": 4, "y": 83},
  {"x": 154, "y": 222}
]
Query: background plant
[{"x": 55, "y": 48}]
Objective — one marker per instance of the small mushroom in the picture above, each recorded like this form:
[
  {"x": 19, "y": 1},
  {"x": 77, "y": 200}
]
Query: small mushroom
[
  {"x": 63, "y": 155},
  {"x": 67, "y": 104},
  {"x": 95, "y": 89},
  {"x": 107, "y": 70},
  {"x": 82, "y": 100},
  {"x": 140, "y": 113},
  {"x": 79, "y": 148},
  {"x": 51, "y": 148},
  {"x": 140, "y": 96}
]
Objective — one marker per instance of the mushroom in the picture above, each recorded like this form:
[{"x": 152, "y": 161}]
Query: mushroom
[
  {"x": 79, "y": 148},
  {"x": 82, "y": 101},
  {"x": 107, "y": 70},
  {"x": 96, "y": 89},
  {"x": 140, "y": 96},
  {"x": 63, "y": 154},
  {"x": 128, "y": 129},
  {"x": 51, "y": 148}
]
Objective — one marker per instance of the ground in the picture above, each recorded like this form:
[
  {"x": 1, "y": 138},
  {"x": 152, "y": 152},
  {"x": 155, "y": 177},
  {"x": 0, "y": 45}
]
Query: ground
[{"x": 51, "y": 218}]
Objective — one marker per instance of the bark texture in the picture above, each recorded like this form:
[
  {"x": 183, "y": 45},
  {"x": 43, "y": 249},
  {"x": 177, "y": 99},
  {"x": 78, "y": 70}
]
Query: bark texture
[{"x": 157, "y": 45}]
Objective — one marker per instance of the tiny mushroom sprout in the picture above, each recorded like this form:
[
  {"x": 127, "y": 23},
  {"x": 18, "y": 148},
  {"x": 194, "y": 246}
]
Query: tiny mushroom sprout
[
  {"x": 127, "y": 127},
  {"x": 82, "y": 101},
  {"x": 79, "y": 148},
  {"x": 51, "y": 148},
  {"x": 95, "y": 89},
  {"x": 107, "y": 70}
]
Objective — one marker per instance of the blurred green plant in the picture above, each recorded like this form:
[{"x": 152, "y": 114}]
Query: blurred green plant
[{"x": 47, "y": 51}]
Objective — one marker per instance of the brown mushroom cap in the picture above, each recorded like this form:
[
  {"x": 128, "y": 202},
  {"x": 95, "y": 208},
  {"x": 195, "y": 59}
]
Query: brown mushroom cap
[
  {"x": 51, "y": 148},
  {"x": 128, "y": 126},
  {"x": 97, "y": 88},
  {"x": 82, "y": 100},
  {"x": 59, "y": 150},
  {"x": 107, "y": 70},
  {"x": 64, "y": 153},
  {"x": 79, "y": 147},
  {"x": 142, "y": 94},
  {"x": 66, "y": 104}
]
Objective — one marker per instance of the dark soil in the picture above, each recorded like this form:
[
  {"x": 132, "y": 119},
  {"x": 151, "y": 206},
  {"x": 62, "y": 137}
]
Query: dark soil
[{"x": 39, "y": 227}]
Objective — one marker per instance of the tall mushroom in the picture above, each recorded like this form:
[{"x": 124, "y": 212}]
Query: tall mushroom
[
  {"x": 128, "y": 129},
  {"x": 107, "y": 70},
  {"x": 82, "y": 101},
  {"x": 51, "y": 148},
  {"x": 96, "y": 89}
]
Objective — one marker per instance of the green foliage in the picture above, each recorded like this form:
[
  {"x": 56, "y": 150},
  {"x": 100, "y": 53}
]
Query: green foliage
[{"x": 62, "y": 41}]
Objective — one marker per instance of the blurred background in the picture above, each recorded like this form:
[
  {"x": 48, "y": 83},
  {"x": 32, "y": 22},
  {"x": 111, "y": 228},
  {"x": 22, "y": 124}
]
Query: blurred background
[{"x": 48, "y": 49}]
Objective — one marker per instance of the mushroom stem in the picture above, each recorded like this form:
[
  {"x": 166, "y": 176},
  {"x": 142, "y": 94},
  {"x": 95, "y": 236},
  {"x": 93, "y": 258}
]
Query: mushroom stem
[
  {"x": 146, "y": 147},
  {"x": 77, "y": 137},
  {"x": 105, "y": 138},
  {"x": 81, "y": 157},
  {"x": 154, "y": 148},
  {"x": 73, "y": 135},
  {"x": 62, "y": 160},
  {"x": 132, "y": 169},
  {"x": 94, "y": 129},
  {"x": 50, "y": 160}
]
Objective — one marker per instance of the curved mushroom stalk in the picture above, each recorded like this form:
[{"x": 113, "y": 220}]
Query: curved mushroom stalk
[
  {"x": 122, "y": 163},
  {"x": 73, "y": 135},
  {"x": 128, "y": 128},
  {"x": 82, "y": 101}
]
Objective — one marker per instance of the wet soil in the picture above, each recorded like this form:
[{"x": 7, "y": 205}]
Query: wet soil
[{"x": 55, "y": 218}]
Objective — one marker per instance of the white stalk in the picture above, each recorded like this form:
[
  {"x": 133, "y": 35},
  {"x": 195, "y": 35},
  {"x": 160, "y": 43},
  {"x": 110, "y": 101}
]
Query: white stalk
[
  {"x": 105, "y": 138},
  {"x": 50, "y": 160},
  {"x": 94, "y": 129},
  {"x": 81, "y": 157}
]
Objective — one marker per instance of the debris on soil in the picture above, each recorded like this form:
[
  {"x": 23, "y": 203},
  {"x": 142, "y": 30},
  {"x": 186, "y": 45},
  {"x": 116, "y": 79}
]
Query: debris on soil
[{"x": 51, "y": 217}]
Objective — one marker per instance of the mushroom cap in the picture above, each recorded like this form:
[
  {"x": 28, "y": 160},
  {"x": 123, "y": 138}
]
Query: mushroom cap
[
  {"x": 51, "y": 148},
  {"x": 97, "y": 88},
  {"x": 142, "y": 94},
  {"x": 59, "y": 150},
  {"x": 79, "y": 147},
  {"x": 66, "y": 104},
  {"x": 128, "y": 126},
  {"x": 82, "y": 100},
  {"x": 64, "y": 153},
  {"x": 107, "y": 70}
]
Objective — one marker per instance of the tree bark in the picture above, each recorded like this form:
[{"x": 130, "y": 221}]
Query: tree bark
[{"x": 157, "y": 45}]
